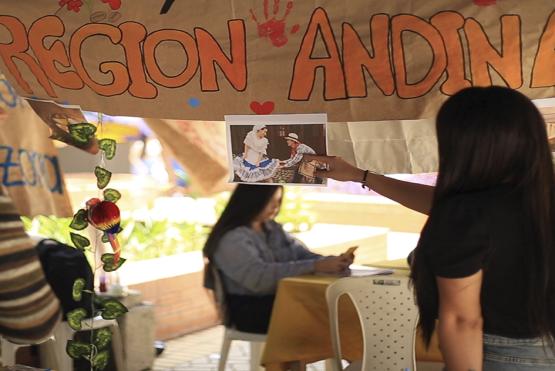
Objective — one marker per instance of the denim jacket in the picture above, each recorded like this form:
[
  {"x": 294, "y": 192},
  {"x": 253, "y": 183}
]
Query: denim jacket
[{"x": 253, "y": 262}]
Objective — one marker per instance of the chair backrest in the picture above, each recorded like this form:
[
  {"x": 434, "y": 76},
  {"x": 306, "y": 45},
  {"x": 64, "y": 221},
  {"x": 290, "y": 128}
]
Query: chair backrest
[
  {"x": 219, "y": 294},
  {"x": 388, "y": 318},
  {"x": 62, "y": 265}
]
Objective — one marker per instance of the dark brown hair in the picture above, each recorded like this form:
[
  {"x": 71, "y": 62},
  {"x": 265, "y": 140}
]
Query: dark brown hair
[{"x": 244, "y": 205}]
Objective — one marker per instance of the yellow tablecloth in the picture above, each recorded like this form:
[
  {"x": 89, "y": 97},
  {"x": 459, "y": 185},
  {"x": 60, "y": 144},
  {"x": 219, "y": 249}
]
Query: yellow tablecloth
[{"x": 299, "y": 328}]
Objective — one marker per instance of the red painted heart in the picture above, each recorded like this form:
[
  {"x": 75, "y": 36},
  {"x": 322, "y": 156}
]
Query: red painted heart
[
  {"x": 264, "y": 108},
  {"x": 484, "y": 2}
]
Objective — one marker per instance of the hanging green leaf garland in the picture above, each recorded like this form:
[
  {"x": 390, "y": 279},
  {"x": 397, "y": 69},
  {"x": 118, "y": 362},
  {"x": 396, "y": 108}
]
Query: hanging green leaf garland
[
  {"x": 79, "y": 221},
  {"x": 77, "y": 290},
  {"x": 80, "y": 242},
  {"x": 103, "y": 177},
  {"x": 104, "y": 216},
  {"x": 109, "y": 262},
  {"x": 82, "y": 133},
  {"x": 102, "y": 338},
  {"x": 76, "y": 349},
  {"x": 111, "y": 194},
  {"x": 75, "y": 317},
  {"x": 108, "y": 146}
]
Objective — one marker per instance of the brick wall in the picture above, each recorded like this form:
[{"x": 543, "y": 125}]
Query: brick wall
[{"x": 182, "y": 304}]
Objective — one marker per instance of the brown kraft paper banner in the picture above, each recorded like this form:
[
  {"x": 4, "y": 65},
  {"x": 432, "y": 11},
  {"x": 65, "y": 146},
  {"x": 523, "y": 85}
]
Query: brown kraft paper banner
[
  {"x": 30, "y": 171},
  {"x": 355, "y": 60}
]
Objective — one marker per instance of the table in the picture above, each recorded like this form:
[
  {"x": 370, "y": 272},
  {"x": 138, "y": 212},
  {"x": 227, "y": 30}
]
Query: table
[{"x": 299, "y": 327}]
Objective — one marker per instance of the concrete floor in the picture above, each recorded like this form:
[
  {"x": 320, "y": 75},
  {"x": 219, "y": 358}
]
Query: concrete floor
[{"x": 200, "y": 351}]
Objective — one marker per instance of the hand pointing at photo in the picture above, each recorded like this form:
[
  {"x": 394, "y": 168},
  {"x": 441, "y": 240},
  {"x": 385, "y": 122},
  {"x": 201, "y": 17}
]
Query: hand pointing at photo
[{"x": 337, "y": 168}]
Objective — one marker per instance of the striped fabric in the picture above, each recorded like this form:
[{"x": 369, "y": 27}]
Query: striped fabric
[{"x": 29, "y": 310}]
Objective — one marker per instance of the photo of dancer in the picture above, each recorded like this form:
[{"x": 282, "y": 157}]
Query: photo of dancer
[
  {"x": 254, "y": 165},
  {"x": 270, "y": 149}
]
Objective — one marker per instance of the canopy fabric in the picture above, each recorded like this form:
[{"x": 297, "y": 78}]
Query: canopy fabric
[
  {"x": 356, "y": 60},
  {"x": 199, "y": 147}
]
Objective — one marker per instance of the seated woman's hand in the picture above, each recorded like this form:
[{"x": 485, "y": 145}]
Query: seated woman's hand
[
  {"x": 337, "y": 168},
  {"x": 333, "y": 264}
]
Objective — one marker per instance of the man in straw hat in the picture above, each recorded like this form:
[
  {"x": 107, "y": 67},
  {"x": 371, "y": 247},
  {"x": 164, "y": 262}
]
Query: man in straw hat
[
  {"x": 305, "y": 171},
  {"x": 298, "y": 149}
]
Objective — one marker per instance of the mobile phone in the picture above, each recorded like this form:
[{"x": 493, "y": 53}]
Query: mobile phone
[{"x": 351, "y": 250}]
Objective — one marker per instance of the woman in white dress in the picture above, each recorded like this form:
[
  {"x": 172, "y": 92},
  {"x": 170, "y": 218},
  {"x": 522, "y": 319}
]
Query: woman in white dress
[{"x": 254, "y": 165}]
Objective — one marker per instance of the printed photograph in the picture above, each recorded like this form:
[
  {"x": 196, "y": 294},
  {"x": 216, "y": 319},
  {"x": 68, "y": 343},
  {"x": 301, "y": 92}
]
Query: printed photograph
[
  {"x": 58, "y": 118},
  {"x": 270, "y": 148}
]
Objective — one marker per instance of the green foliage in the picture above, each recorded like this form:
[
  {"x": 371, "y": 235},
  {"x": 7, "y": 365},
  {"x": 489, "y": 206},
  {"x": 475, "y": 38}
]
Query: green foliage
[
  {"x": 156, "y": 238},
  {"x": 139, "y": 240},
  {"x": 49, "y": 226},
  {"x": 149, "y": 239}
]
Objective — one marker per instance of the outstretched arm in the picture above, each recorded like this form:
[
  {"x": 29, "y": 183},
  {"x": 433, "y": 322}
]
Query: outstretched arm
[{"x": 417, "y": 197}]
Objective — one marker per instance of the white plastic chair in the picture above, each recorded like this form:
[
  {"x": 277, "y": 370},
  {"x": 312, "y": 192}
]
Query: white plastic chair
[
  {"x": 256, "y": 341},
  {"x": 388, "y": 318},
  {"x": 63, "y": 333}
]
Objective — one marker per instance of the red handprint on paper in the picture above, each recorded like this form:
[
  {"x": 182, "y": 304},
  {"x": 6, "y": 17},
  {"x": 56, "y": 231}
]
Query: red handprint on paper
[
  {"x": 274, "y": 28},
  {"x": 114, "y": 4},
  {"x": 74, "y": 5}
]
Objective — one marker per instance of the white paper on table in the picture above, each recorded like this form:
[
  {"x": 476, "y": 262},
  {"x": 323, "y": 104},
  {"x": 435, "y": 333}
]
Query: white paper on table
[{"x": 363, "y": 271}]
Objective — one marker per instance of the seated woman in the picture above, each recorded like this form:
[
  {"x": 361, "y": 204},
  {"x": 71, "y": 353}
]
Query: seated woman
[{"x": 252, "y": 252}]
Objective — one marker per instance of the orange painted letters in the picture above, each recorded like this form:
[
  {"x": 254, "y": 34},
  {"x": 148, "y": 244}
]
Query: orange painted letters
[
  {"x": 508, "y": 63},
  {"x": 448, "y": 24},
  {"x": 406, "y": 22},
  {"x": 356, "y": 57},
  {"x": 210, "y": 53},
  {"x": 133, "y": 34},
  {"x": 39, "y": 30},
  {"x": 17, "y": 50},
  {"x": 119, "y": 72},
  {"x": 304, "y": 71},
  {"x": 543, "y": 72},
  {"x": 190, "y": 48}
]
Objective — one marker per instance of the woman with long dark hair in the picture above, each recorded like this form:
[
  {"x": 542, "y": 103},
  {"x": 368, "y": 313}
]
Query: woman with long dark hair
[
  {"x": 251, "y": 253},
  {"x": 484, "y": 266}
]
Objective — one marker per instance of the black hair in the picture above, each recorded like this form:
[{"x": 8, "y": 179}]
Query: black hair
[
  {"x": 490, "y": 137},
  {"x": 244, "y": 205}
]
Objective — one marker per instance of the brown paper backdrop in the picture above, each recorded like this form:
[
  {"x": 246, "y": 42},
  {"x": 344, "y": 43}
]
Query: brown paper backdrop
[
  {"x": 356, "y": 60},
  {"x": 30, "y": 170}
]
